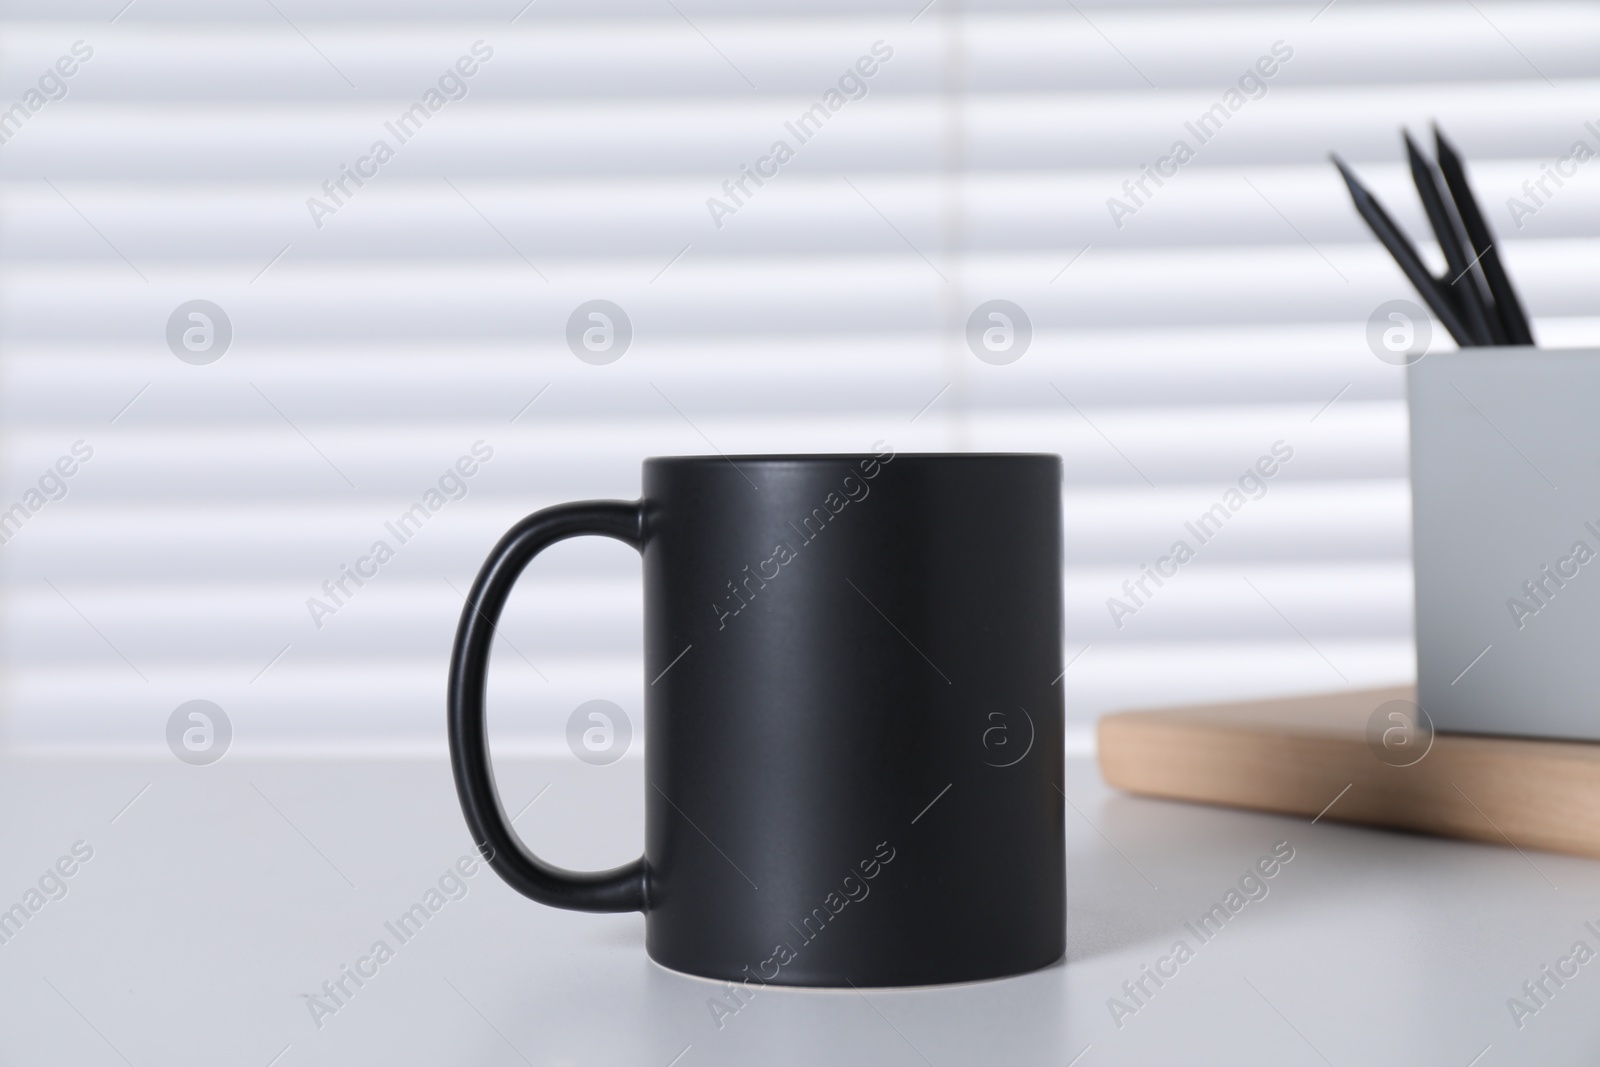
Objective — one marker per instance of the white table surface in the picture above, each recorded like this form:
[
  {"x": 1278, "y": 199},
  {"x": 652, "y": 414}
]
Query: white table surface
[{"x": 223, "y": 894}]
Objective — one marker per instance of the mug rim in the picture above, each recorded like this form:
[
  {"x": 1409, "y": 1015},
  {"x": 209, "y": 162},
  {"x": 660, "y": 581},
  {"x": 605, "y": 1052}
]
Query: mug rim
[{"x": 796, "y": 458}]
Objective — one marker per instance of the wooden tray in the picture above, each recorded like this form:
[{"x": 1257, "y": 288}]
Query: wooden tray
[{"x": 1311, "y": 756}]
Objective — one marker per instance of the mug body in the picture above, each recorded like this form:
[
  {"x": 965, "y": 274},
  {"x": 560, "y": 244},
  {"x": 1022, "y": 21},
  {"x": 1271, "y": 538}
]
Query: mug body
[{"x": 853, "y": 713}]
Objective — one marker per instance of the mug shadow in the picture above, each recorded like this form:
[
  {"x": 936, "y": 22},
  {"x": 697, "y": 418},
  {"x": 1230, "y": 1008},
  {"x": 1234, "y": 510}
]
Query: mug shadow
[{"x": 1017, "y": 1020}]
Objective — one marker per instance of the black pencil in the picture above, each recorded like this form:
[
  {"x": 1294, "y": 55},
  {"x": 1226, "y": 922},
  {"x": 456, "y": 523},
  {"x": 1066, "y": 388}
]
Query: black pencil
[
  {"x": 1509, "y": 309},
  {"x": 1460, "y": 278},
  {"x": 1428, "y": 287}
]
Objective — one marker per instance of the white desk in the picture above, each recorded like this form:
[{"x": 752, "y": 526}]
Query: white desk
[{"x": 225, "y": 893}]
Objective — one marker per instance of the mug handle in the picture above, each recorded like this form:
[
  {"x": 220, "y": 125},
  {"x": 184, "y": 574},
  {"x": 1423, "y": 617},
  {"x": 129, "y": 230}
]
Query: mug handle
[{"x": 619, "y": 889}]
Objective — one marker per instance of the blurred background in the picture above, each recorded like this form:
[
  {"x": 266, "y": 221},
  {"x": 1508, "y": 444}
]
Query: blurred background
[{"x": 358, "y": 337}]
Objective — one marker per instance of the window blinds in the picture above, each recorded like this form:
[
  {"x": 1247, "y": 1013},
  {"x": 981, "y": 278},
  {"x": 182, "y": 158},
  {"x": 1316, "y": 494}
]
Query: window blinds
[{"x": 264, "y": 345}]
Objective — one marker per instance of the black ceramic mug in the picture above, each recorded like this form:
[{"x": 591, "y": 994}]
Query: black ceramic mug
[{"x": 853, "y": 716}]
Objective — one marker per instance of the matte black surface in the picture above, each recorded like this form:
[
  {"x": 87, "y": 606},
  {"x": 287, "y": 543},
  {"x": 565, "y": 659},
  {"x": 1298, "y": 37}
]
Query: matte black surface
[
  {"x": 853, "y": 717},
  {"x": 621, "y": 889}
]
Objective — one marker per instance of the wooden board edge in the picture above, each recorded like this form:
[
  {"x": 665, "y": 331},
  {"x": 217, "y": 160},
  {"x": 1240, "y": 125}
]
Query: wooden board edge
[{"x": 1529, "y": 794}]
